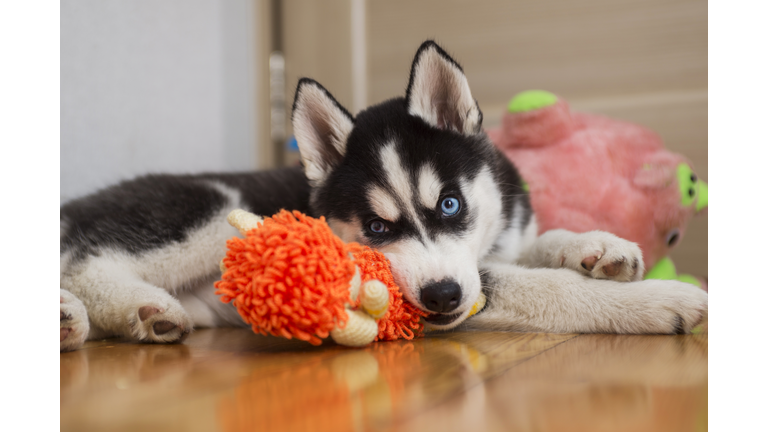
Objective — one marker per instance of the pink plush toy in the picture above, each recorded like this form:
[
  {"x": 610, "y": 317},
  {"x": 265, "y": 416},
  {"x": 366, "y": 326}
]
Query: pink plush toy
[{"x": 586, "y": 172}]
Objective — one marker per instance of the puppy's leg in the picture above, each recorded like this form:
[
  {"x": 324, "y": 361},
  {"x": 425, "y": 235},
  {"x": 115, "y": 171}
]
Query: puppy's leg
[
  {"x": 205, "y": 307},
  {"x": 119, "y": 303},
  {"x": 563, "y": 301},
  {"x": 598, "y": 254},
  {"x": 73, "y": 322}
]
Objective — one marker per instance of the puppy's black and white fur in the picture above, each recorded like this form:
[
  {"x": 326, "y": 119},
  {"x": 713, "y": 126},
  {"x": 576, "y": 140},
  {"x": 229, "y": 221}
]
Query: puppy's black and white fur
[{"x": 415, "y": 177}]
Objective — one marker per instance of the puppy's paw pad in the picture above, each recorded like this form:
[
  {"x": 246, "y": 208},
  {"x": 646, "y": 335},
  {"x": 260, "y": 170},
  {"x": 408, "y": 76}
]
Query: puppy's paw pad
[
  {"x": 160, "y": 324},
  {"x": 163, "y": 327},
  {"x": 589, "y": 262},
  {"x": 147, "y": 311},
  {"x": 602, "y": 255},
  {"x": 614, "y": 268}
]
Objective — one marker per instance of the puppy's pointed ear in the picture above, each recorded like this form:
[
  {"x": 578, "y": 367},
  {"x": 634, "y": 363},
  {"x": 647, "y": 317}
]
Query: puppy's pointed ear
[
  {"x": 438, "y": 92},
  {"x": 321, "y": 126}
]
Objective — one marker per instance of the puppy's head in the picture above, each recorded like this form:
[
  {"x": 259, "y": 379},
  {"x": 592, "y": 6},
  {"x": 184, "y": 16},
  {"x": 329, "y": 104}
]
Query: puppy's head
[{"x": 414, "y": 177}]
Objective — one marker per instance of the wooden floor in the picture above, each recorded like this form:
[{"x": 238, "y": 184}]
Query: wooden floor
[{"x": 234, "y": 380}]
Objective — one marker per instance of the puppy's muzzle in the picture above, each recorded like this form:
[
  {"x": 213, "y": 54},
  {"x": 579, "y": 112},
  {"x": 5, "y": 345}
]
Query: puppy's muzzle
[{"x": 441, "y": 297}]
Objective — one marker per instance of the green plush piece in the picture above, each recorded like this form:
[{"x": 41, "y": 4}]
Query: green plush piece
[
  {"x": 665, "y": 270},
  {"x": 688, "y": 279},
  {"x": 531, "y": 100}
]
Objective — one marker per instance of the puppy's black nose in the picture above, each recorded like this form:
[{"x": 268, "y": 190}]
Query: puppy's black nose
[{"x": 441, "y": 297}]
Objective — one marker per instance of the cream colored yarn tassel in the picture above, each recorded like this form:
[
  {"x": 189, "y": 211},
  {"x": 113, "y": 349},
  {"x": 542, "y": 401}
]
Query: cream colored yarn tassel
[
  {"x": 244, "y": 221},
  {"x": 375, "y": 298},
  {"x": 362, "y": 328}
]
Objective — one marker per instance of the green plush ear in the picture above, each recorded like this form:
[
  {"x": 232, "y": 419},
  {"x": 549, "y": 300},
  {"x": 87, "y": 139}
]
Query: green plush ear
[
  {"x": 686, "y": 181},
  {"x": 691, "y": 188},
  {"x": 703, "y": 195},
  {"x": 531, "y": 100}
]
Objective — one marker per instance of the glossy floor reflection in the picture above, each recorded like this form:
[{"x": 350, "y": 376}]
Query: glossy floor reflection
[{"x": 234, "y": 380}]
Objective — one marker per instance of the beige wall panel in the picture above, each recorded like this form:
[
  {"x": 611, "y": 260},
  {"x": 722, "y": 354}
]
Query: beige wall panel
[
  {"x": 575, "y": 48},
  {"x": 317, "y": 44}
]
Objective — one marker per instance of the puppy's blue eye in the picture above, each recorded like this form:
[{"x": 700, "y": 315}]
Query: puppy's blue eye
[
  {"x": 450, "y": 206},
  {"x": 378, "y": 227}
]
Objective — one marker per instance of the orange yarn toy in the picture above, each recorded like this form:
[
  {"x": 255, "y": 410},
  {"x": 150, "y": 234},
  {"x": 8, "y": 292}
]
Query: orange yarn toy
[{"x": 290, "y": 276}]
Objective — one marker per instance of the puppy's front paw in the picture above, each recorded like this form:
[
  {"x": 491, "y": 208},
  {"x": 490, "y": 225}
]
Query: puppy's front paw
[
  {"x": 73, "y": 322},
  {"x": 602, "y": 255},
  {"x": 167, "y": 323}
]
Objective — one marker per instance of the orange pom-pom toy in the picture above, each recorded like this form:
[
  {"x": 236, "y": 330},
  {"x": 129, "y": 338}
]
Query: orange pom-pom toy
[{"x": 290, "y": 276}]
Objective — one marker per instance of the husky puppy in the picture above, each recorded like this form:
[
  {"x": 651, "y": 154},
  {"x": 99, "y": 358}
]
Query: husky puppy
[{"x": 414, "y": 177}]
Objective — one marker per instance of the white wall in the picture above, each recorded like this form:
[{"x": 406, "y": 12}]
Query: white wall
[{"x": 155, "y": 86}]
